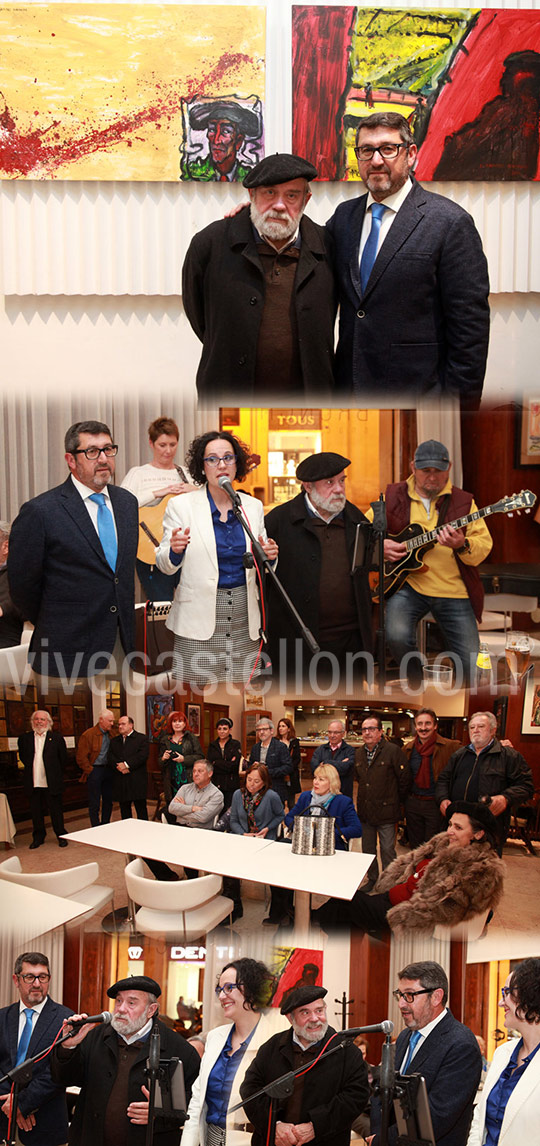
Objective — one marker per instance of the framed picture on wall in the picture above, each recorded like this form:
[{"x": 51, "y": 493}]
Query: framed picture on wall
[
  {"x": 530, "y": 725},
  {"x": 528, "y": 432},
  {"x": 500, "y": 708},
  {"x": 193, "y": 713}
]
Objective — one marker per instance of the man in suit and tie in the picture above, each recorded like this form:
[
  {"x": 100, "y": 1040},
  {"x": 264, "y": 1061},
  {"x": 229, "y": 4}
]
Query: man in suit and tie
[
  {"x": 71, "y": 563},
  {"x": 438, "y": 1047},
  {"x": 412, "y": 281},
  {"x": 127, "y": 757},
  {"x": 27, "y": 1027},
  {"x": 44, "y": 755}
]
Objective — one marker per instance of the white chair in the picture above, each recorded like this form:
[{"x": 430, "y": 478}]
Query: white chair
[
  {"x": 188, "y": 908},
  {"x": 14, "y": 667},
  {"x": 76, "y": 883}
]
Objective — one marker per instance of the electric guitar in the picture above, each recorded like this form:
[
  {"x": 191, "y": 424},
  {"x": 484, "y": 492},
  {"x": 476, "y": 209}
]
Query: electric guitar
[
  {"x": 151, "y": 524},
  {"x": 418, "y": 543}
]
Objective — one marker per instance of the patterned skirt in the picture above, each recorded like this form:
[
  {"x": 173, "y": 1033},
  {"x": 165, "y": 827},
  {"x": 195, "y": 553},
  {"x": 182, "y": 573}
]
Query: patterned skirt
[{"x": 229, "y": 654}]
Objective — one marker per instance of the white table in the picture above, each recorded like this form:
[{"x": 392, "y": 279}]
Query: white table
[
  {"x": 7, "y": 827},
  {"x": 25, "y": 912},
  {"x": 260, "y": 860}
]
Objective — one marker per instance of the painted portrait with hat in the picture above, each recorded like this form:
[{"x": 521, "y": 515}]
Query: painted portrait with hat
[{"x": 223, "y": 139}]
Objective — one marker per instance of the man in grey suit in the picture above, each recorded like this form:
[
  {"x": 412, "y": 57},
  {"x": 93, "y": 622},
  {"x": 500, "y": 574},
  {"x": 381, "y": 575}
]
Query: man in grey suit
[
  {"x": 71, "y": 563},
  {"x": 412, "y": 281},
  {"x": 438, "y": 1047}
]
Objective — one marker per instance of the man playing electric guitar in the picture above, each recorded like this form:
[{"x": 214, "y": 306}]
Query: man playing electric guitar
[{"x": 448, "y": 583}]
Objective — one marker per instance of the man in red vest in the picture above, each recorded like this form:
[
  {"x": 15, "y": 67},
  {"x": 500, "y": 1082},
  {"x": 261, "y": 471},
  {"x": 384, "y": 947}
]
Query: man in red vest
[{"x": 448, "y": 585}]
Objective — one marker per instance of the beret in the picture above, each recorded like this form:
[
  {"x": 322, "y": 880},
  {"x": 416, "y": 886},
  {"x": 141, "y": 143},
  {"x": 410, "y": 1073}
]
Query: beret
[
  {"x": 319, "y": 466},
  {"x": 299, "y": 996},
  {"x": 135, "y": 983},
  {"x": 244, "y": 118},
  {"x": 279, "y": 168},
  {"x": 478, "y": 812}
]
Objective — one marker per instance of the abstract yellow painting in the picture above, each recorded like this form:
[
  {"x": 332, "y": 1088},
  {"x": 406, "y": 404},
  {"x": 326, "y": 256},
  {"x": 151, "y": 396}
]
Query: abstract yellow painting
[{"x": 124, "y": 91}]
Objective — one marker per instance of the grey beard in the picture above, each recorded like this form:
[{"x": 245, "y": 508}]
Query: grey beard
[
  {"x": 309, "y": 1036},
  {"x": 273, "y": 228}
]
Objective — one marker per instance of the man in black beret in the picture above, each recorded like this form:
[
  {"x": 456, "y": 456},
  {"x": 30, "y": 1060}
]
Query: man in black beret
[
  {"x": 327, "y": 1097},
  {"x": 324, "y": 546},
  {"x": 258, "y": 291},
  {"x": 108, "y": 1063},
  {"x": 227, "y": 124}
]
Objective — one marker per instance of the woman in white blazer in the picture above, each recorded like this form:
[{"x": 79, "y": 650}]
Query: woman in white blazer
[
  {"x": 508, "y": 1111},
  {"x": 242, "y": 990},
  {"x": 215, "y": 614}
]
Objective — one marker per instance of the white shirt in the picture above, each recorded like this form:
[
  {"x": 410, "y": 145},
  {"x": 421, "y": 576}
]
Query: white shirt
[
  {"x": 143, "y": 480},
  {"x": 37, "y": 1009},
  {"x": 92, "y": 506},
  {"x": 39, "y": 778},
  {"x": 424, "y": 1032},
  {"x": 393, "y": 203}
]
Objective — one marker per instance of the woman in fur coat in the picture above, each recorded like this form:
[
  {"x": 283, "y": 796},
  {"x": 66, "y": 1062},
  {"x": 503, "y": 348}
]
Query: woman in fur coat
[{"x": 454, "y": 876}]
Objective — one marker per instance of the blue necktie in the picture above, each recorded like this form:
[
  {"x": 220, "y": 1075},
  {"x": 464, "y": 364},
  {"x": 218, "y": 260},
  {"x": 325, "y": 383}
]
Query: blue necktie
[
  {"x": 369, "y": 254},
  {"x": 25, "y": 1037},
  {"x": 410, "y": 1051},
  {"x": 106, "y": 530}
]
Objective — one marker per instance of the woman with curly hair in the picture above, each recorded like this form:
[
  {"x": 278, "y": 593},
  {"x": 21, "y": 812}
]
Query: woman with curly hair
[
  {"x": 243, "y": 990},
  {"x": 215, "y": 614},
  {"x": 454, "y": 876},
  {"x": 508, "y": 1111}
]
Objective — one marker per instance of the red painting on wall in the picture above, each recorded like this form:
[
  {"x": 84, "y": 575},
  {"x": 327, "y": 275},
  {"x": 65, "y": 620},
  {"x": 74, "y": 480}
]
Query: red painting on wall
[{"x": 467, "y": 81}]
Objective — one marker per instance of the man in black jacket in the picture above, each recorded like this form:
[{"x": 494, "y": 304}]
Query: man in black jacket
[
  {"x": 324, "y": 543},
  {"x": 108, "y": 1064},
  {"x": 327, "y": 1097},
  {"x": 127, "y": 755},
  {"x": 44, "y": 755},
  {"x": 274, "y": 753},
  {"x": 486, "y": 770},
  {"x": 259, "y": 293},
  {"x": 384, "y": 778}
]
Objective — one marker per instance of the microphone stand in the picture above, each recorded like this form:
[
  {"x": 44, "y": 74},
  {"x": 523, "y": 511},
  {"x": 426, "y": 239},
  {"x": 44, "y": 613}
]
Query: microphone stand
[
  {"x": 264, "y": 562},
  {"x": 379, "y": 529},
  {"x": 386, "y": 1087},
  {"x": 19, "y": 1077},
  {"x": 152, "y": 1075}
]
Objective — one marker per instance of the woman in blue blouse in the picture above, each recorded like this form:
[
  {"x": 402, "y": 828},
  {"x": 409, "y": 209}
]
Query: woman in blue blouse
[
  {"x": 326, "y": 793},
  {"x": 215, "y": 614},
  {"x": 243, "y": 989},
  {"x": 508, "y": 1112},
  {"x": 256, "y": 810}
]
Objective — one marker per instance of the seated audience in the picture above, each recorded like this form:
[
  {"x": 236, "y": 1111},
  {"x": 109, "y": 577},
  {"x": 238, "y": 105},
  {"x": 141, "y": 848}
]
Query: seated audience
[
  {"x": 256, "y": 810},
  {"x": 326, "y": 794}
]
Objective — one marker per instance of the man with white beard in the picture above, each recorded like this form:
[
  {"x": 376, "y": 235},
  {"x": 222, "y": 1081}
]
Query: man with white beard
[
  {"x": 327, "y": 1096},
  {"x": 321, "y": 536},
  {"x": 258, "y": 290},
  {"x": 108, "y": 1063}
]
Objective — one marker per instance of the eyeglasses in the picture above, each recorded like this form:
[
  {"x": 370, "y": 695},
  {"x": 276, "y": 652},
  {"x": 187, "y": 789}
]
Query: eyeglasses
[
  {"x": 386, "y": 150},
  {"x": 31, "y": 978},
  {"x": 410, "y": 996},
  {"x": 93, "y": 452},
  {"x": 505, "y": 991},
  {"x": 213, "y": 460},
  {"x": 226, "y": 989}
]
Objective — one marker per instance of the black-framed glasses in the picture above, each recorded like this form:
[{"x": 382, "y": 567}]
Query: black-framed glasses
[
  {"x": 28, "y": 978},
  {"x": 410, "y": 996},
  {"x": 226, "y": 989},
  {"x": 93, "y": 452},
  {"x": 386, "y": 151}
]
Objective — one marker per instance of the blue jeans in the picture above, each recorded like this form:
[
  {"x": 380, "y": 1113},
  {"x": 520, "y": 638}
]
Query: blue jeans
[
  {"x": 100, "y": 792},
  {"x": 454, "y": 616}
]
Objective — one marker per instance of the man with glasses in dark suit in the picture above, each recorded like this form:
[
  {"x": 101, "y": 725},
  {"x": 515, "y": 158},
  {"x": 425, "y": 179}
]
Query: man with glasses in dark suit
[{"x": 71, "y": 563}]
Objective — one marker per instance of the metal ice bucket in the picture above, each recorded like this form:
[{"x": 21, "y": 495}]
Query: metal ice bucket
[{"x": 314, "y": 833}]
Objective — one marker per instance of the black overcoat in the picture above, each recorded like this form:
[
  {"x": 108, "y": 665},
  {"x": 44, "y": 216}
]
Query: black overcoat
[
  {"x": 55, "y": 758},
  {"x": 130, "y": 785}
]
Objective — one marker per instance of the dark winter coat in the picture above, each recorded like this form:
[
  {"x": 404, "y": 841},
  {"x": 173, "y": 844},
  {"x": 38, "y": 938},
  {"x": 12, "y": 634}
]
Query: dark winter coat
[
  {"x": 383, "y": 784},
  {"x": 130, "y": 785}
]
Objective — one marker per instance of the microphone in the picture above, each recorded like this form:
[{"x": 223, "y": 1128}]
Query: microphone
[
  {"x": 104, "y": 1017},
  {"x": 226, "y": 484},
  {"x": 384, "y": 1028}
]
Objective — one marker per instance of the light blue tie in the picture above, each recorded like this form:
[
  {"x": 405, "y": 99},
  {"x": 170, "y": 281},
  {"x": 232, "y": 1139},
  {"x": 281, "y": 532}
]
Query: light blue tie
[
  {"x": 369, "y": 254},
  {"x": 25, "y": 1037},
  {"x": 410, "y": 1051},
  {"x": 106, "y": 530}
]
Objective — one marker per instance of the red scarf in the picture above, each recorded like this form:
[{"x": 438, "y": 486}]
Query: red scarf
[{"x": 425, "y": 750}]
